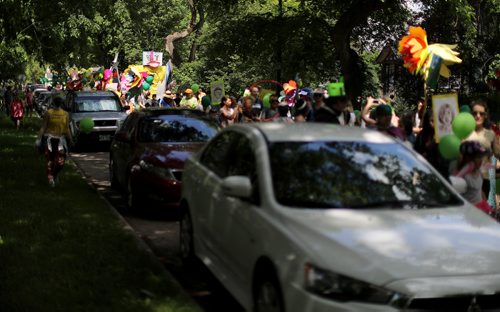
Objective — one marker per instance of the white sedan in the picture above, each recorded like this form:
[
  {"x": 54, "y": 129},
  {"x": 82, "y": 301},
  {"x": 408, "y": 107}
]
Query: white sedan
[{"x": 315, "y": 217}]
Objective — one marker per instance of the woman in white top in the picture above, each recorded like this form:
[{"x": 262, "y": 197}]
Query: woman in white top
[
  {"x": 228, "y": 114},
  {"x": 488, "y": 140}
]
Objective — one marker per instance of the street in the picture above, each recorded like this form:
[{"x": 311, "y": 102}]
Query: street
[{"x": 160, "y": 231}]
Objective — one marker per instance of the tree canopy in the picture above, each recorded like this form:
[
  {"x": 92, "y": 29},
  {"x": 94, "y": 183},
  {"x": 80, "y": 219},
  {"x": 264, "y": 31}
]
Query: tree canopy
[{"x": 245, "y": 41}]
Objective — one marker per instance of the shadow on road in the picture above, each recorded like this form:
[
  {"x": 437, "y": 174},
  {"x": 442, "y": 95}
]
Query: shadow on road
[{"x": 159, "y": 229}]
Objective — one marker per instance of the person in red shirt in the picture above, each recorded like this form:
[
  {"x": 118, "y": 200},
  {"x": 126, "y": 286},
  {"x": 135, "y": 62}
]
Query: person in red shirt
[{"x": 16, "y": 111}]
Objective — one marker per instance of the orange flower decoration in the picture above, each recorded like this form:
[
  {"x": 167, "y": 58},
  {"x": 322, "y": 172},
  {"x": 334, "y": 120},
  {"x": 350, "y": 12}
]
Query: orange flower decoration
[
  {"x": 290, "y": 86},
  {"x": 414, "y": 49}
]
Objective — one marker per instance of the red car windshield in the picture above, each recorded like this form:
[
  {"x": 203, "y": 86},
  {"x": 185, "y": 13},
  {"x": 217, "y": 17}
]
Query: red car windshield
[{"x": 175, "y": 128}]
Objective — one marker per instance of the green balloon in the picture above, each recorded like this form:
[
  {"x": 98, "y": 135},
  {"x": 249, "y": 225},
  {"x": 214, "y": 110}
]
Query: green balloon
[
  {"x": 266, "y": 100},
  {"x": 92, "y": 84},
  {"x": 465, "y": 108},
  {"x": 149, "y": 79},
  {"x": 336, "y": 89},
  {"x": 146, "y": 86},
  {"x": 449, "y": 147},
  {"x": 195, "y": 87},
  {"x": 86, "y": 125},
  {"x": 463, "y": 125}
]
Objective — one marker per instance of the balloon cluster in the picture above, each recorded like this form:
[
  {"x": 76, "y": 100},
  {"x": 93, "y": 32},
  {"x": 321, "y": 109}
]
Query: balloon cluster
[
  {"x": 146, "y": 84},
  {"x": 463, "y": 125}
]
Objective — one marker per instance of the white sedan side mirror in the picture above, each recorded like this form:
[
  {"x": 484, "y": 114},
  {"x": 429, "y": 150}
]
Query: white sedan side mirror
[
  {"x": 458, "y": 184},
  {"x": 237, "y": 186}
]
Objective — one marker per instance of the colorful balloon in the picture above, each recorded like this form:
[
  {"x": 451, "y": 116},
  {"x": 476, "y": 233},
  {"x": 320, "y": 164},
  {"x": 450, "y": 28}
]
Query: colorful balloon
[
  {"x": 465, "y": 108},
  {"x": 146, "y": 86},
  {"x": 195, "y": 87},
  {"x": 449, "y": 146},
  {"x": 86, "y": 125},
  {"x": 463, "y": 124},
  {"x": 266, "y": 100},
  {"x": 149, "y": 79},
  {"x": 336, "y": 89}
]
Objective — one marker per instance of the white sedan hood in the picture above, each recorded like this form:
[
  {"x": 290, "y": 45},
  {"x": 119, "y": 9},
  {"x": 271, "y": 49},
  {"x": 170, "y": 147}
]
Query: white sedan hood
[{"x": 384, "y": 246}]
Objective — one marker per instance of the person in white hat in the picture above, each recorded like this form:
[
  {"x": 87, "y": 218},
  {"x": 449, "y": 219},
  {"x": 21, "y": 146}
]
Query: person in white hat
[{"x": 167, "y": 100}]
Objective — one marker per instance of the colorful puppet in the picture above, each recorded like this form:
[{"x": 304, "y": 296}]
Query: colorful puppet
[
  {"x": 290, "y": 89},
  {"x": 418, "y": 54}
]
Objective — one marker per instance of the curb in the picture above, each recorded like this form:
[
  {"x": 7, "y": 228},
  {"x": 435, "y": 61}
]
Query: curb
[{"x": 128, "y": 228}]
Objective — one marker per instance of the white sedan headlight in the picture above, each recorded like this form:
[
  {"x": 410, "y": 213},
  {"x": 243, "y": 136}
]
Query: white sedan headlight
[{"x": 343, "y": 288}]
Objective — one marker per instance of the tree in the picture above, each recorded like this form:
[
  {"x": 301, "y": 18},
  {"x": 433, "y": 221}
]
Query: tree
[{"x": 194, "y": 25}]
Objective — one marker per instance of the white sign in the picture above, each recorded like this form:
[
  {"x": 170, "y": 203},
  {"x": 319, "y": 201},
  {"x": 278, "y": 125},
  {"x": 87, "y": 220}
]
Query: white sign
[
  {"x": 152, "y": 58},
  {"x": 217, "y": 91},
  {"x": 445, "y": 108}
]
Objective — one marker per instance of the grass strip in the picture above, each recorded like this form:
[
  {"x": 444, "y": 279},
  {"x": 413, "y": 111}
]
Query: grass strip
[{"x": 62, "y": 249}]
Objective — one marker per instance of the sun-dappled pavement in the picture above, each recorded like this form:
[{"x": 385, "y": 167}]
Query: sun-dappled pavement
[{"x": 159, "y": 229}]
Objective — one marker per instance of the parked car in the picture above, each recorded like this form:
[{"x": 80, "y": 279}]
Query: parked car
[
  {"x": 148, "y": 153},
  {"x": 103, "y": 107},
  {"x": 315, "y": 217},
  {"x": 44, "y": 100},
  {"x": 36, "y": 94}
]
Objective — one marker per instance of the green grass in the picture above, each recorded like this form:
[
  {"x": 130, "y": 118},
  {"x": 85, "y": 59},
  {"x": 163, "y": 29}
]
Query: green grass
[{"x": 63, "y": 249}]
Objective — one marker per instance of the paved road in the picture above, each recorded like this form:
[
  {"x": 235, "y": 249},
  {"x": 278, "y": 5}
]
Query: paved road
[{"x": 160, "y": 230}]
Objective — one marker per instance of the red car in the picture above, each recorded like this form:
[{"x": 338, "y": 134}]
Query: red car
[{"x": 148, "y": 152}]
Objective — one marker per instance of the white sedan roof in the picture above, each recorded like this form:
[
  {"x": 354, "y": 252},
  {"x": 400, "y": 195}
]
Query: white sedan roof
[{"x": 307, "y": 132}]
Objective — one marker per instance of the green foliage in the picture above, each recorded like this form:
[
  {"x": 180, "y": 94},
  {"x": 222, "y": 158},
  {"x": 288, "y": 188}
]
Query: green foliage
[
  {"x": 243, "y": 41},
  {"x": 370, "y": 74},
  {"x": 66, "y": 243}
]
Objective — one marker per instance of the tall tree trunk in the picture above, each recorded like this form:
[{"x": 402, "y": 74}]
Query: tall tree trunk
[
  {"x": 357, "y": 14},
  {"x": 192, "y": 26},
  {"x": 199, "y": 26}
]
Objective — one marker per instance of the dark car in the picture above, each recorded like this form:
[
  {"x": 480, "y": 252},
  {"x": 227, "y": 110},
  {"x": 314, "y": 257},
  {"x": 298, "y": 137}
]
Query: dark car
[
  {"x": 148, "y": 152},
  {"x": 44, "y": 100},
  {"x": 103, "y": 107}
]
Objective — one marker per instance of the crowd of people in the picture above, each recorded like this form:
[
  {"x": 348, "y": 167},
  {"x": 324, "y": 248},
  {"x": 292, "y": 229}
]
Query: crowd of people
[{"x": 414, "y": 128}]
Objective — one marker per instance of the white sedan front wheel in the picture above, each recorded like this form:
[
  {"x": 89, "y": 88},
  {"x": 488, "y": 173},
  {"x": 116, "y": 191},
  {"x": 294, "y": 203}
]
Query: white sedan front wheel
[
  {"x": 268, "y": 296},
  {"x": 186, "y": 237}
]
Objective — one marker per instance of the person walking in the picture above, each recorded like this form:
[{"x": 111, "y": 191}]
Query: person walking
[
  {"x": 383, "y": 113},
  {"x": 472, "y": 157},
  {"x": 301, "y": 110},
  {"x": 247, "y": 112},
  {"x": 29, "y": 102},
  {"x": 227, "y": 114},
  {"x": 8, "y": 97},
  {"x": 55, "y": 135},
  {"x": 284, "y": 113},
  {"x": 334, "y": 111},
  {"x": 189, "y": 100},
  {"x": 16, "y": 110},
  {"x": 487, "y": 138}
]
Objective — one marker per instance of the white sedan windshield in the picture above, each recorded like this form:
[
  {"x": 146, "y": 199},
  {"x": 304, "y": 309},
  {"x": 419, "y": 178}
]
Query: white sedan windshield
[{"x": 354, "y": 175}]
